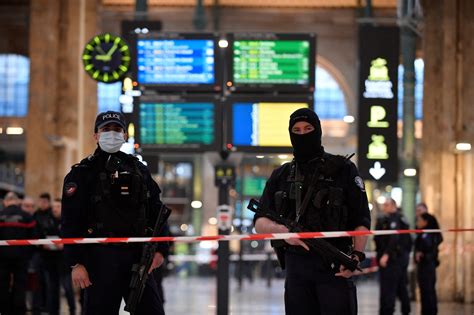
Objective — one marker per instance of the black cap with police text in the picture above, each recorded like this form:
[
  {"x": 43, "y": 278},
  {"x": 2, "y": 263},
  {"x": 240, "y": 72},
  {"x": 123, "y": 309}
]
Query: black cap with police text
[{"x": 109, "y": 117}]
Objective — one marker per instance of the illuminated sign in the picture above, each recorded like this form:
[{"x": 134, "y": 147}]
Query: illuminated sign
[
  {"x": 270, "y": 61},
  {"x": 378, "y": 84},
  {"x": 378, "y": 77},
  {"x": 175, "y": 61},
  {"x": 253, "y": 186},
  {"x": 176, "y": 125},
  {"x": 224, "y": 174},
  {"x": 262, "y": 124}
]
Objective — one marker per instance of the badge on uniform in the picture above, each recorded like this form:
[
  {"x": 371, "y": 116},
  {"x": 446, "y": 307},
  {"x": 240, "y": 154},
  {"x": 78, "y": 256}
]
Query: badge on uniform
[
  {"x": 360, "y": 183},
  {"x": 70, "y": 189}
]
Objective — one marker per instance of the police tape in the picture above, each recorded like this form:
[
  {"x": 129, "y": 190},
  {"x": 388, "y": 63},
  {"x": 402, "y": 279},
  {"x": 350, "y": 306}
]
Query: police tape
[{"x": 241, "y": 237}]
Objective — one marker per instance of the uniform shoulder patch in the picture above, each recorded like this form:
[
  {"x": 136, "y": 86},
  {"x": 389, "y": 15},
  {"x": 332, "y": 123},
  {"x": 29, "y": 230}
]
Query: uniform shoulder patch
[
  {"x": 359, "y": 182},
  {"x": 70, "y": 189}
]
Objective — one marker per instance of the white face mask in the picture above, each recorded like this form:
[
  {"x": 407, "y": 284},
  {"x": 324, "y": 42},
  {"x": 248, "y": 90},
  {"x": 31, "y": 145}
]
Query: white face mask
[{"x": 111, "y": 141}]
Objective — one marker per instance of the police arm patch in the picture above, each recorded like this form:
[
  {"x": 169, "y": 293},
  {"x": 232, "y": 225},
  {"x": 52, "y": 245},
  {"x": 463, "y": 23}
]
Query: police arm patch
[
  {"x": 359, "y": 182},
  {"x": 70, "y": 189}
]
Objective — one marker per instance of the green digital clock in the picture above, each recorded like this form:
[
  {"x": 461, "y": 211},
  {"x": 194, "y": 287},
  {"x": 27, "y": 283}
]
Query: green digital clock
[{"x": 106, "y": 58}]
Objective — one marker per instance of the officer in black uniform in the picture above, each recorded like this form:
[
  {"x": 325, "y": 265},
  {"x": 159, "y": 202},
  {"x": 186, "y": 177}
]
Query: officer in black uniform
[
  {"x": 14, "y": 224},
  {"x": 426, "y": 258},
  {"x": 393, "y": 255},
  {"x": 314, "y": 283},
  {"x": 110, "y": 194}
]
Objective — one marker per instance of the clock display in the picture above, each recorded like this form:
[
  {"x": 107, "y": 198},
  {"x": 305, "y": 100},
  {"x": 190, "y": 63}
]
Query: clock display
[{"x": 106, "y": 58}]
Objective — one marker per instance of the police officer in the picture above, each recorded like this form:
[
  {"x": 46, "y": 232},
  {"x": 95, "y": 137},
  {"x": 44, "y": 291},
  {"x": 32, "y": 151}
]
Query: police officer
[
  {"x": 393, "y": 255},
  {"x": 314, "y": 283},
  {"x": 110, "y": 194},
  {"x": 426, "y": 258},
  {"x": 14, "y": 224}
]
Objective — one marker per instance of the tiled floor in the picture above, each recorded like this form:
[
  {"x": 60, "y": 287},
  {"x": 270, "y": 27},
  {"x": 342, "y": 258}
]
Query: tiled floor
[{"x": 197, "y": 296}]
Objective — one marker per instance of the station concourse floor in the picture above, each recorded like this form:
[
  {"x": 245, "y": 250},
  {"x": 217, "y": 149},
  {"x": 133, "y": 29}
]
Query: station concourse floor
[{"x": 197, "y": 296}]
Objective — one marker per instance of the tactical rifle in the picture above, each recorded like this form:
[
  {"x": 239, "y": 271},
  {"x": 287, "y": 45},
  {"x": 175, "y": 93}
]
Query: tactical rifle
[
  {"x": 140, "y": 270},
  {"x": 318, "y": 245}
]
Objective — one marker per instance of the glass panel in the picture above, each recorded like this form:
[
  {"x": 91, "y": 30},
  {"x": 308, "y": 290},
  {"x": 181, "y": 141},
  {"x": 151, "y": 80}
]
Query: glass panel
[
  {"x": 419, "y": 68},
  {"x": 329, "y": 102},
  {"x": 108, "y": 96},
  {"x": 15, "y": 74}
]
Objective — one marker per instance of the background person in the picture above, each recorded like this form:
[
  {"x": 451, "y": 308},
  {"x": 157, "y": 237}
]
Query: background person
[
  {"x": 392, "y": 255},
  {"x": 14, "y": 224},
  {"x": 426, "y": 258}
]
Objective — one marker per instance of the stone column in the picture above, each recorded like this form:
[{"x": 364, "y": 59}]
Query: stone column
[
  {"x": 63, "y": 99},
  {"x": 447, "y": 177}
]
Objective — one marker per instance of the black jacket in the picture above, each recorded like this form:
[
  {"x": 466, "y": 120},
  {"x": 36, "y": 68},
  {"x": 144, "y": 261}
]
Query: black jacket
[
  {"x": 395, "y": 245},
  {"x": 16, "y": 224},
  {"x": 78, "y": 190},
  {"x": 345, "y": 177}
]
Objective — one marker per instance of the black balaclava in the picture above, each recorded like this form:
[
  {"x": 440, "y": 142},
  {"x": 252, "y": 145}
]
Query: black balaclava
[{"x": 306, "y": 146}]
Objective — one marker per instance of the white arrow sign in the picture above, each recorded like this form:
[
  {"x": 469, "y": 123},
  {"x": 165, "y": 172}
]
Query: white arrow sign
[{"x": 377, "y": 171}]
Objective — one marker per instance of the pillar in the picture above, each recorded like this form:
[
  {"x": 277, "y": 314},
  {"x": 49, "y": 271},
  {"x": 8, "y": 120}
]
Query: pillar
[{"x": 63, "y": 99}]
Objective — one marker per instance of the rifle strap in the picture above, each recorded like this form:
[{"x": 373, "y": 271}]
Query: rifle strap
[{"x": 309, "y": 193}]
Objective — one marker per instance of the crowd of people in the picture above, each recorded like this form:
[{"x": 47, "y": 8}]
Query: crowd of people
[{"x": 39, "y": 271}]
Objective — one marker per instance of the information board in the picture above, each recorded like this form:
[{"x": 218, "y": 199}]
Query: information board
[
  {"x": 271, "y": 61},
  {"x": 261, "y": 124},
  {"x": 177, "y": 125},
  {"x": 175, "y": 61},
  {"x": 378, "y": 78}
]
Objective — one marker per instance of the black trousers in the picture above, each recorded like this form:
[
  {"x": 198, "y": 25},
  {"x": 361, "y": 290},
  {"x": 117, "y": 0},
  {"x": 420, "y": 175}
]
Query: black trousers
[
  {"x": 109, "y": 271},
  {"x": 426, "y": 274},
  {"x": 13, "y": 279},
  {"x": 393, "y": 283},
  {"x": 312, "y": 289}
]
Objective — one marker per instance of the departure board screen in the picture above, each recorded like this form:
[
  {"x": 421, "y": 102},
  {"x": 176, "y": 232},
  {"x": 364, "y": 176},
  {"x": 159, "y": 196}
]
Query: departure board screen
[
  {"x": 271, "y": 61},
  {"x": 175, "y": 61},
  {"x": 263, "y": 124},
  {"x": 177, "y": 125}
]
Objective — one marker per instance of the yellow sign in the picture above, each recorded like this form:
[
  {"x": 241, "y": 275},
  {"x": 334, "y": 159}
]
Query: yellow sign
[
  {"x": 377, "y": 113},
  {"x": 377, "y": 149},
  {"x": 379, "y": 70},
  {"x": 220, "y": 172},
  {"x": 273, "y": 123}
]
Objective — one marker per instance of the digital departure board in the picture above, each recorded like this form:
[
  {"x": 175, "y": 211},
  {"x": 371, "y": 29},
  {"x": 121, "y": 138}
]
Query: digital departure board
[
  {"x": 177, "y": 125},
  {"x": 175, "y": 61},
  {"x": 261, "y": 125},
  {"x": 271, "y": 61},
  {"x": 282, "y": 61}
]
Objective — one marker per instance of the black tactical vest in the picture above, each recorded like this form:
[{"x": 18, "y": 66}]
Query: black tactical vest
[
  {"x": 118, "y": 205},
  {"x": 327, "y": 209}
]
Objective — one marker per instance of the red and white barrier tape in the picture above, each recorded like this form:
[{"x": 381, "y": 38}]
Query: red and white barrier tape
[{"x": 244, "y": 237}]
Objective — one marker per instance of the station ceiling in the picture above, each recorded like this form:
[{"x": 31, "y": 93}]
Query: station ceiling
[{"x": 261, "y": 3}]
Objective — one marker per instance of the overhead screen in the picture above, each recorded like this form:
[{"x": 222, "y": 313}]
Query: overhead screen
[
  {"x": 184, "y": 61},
  {"x": 279, "y": 61},
  {"x": 262, "y": 125},
  {"x": 177, "y": 125}
]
